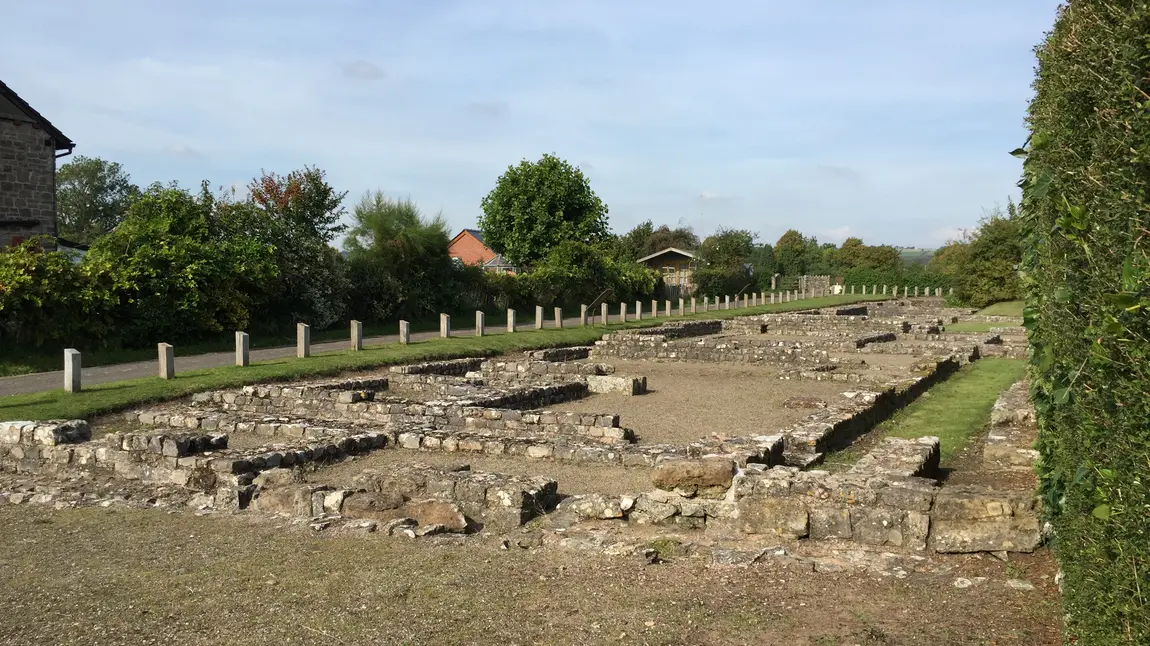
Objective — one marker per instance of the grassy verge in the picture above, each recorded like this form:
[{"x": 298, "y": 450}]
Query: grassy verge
[
  {"x": 971, "y": 326},
  {"x": 23, "y": 361},
  {"x": 954, "y": 410},
  {"x": 1005, "y": 308},
  {"x": 114, "y": 396}
]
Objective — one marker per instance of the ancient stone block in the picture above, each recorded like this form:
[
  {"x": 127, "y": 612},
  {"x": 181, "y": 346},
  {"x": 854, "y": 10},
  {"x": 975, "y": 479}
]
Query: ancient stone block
[
  {"x": 593, "y": 506},
  {"x": 292, "y": 500},
  {"x": 830, "y": 521},
  {"x": 436, "y": 512},
  {"x": 786, "y": 517},
  {"x": 708, "y": 477}
]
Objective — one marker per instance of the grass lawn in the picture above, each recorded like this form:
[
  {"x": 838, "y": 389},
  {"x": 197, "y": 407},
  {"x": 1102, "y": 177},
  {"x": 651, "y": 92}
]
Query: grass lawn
[
  {"x": 1005, "y": 308},
  {"x": 22, "y": 361},
  {"x": 971, "y": 326},
  {"x": 115, "y": 396},
  {"x": 954, "y": 410}
]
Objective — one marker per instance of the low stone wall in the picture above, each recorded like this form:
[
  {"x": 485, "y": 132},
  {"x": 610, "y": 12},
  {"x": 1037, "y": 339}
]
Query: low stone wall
[
  {"x": 908, "y": 512},
  {"x": 560, "y": 354},
  {"x": 503, "y": 370},
  {"x": 764, "y": 449},
  {"x": 882, "y": 337},
  {"x": 457, "y": 367},
  {"x": 901, "y": 458},
  {"x": 425, "y": 499},
  {"x": 719, "y": 349},
  {"x": 362, "y": 408},
  {"x": 1010, "y": 442},
  {"x": 46, "y": 433}
]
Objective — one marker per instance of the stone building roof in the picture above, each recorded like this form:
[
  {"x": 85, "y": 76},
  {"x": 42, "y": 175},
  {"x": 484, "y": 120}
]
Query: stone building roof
[{"x": 62, "y": 142}]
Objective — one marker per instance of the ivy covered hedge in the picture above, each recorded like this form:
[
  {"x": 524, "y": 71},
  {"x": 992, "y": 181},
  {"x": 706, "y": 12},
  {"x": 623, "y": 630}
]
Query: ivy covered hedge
[{"x": 1086, "y": 271}]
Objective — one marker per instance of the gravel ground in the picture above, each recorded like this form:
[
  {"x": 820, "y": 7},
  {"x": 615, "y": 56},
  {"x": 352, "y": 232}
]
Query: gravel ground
[
  {"x": 689, "y": 401},
  {"x": 572, "y": 478},
  {"x": 112, "y": 577}
]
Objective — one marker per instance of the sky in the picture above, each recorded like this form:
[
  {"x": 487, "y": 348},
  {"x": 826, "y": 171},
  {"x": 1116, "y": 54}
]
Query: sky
[{"x": 890, "y": 120}]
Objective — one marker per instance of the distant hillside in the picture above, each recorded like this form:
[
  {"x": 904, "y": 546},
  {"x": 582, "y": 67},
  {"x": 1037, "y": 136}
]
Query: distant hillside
[{"x": 915, "y": 255}]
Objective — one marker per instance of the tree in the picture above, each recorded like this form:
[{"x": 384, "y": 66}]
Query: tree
[
  {"x": 728, "y": 249},
  {"x": 763, "y": 265},
  {"x": 663, "y": 237},
  {"x": 791, "y": 254},
  {"x": 300, "y": 215},
  {"x": 92, "y": 197},
  {"x": 537, "y": 205},
  {"x": 397, "y": 258},
  {"x": 988, "y": 272},
  {"x": 181, "y": 273},
  {"x": 853, "y": 254}
]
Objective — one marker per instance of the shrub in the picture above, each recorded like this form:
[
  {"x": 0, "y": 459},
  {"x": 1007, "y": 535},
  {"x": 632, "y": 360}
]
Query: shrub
[{"x": 1086, "y": 276}]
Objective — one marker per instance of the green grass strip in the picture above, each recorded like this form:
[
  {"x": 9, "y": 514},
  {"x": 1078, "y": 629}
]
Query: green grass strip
[
  {"x": 954, "y": 411},
  {"x": 972, "y": 327},
  {"x": 1005, "y": 308},
  {"x": 120, "y": 395}
]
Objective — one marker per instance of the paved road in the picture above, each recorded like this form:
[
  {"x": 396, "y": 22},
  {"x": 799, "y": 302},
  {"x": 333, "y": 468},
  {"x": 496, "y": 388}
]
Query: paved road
[{"x": 46, "y": 381}]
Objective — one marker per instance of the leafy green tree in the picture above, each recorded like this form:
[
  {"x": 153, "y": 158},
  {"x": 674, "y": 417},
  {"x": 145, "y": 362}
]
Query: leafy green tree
[
  {"x": 576, "y": 272},
  {"x": 299, "y": 216},
  {"x": 183, "y": 274},
  {"x": 792, "y": 254},
  {"x": 537, "y": 205},
  {"x": 763, "y": 265},
  {"x": 853, "y": 254},
  {"x": 92, "y": 197},
  {"x": 397, "y": 258},
  {"x": 725, "y": 262},
  {"x": 989, "y": 271},
  {"x": 47, "y": 298}
]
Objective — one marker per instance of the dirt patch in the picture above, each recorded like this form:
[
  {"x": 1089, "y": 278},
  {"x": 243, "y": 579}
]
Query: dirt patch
[
  {"x": 572, "y": 478},
  {"x": 145, "y": 577},
  {"x": 689, "y": 401}
]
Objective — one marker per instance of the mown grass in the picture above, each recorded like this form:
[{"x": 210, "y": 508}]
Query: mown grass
[
  {"x": 971, "y": 326},
  {"x": 954, "y": 410},
  {"x": 24, "y": 360},
  {"x": 1005, "y": 308},
  {"x": 120, "y": 395}
]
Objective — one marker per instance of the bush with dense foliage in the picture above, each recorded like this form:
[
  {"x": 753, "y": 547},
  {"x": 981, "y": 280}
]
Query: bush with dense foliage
[
  {"x": 538, "y": 205},
  {"x": 1086, "y": 275}
]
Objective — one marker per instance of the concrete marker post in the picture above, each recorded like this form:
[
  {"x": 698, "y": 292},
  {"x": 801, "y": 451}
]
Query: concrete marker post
[
  {"x": 72, "y": 370},
  {"x": 302, "y": 340},
  {"x": 405, "y": 332},
  {"x": 167, "y": 360},
  {"x": 559, "y": 318},
  {"x": 480, "y": 322},
  {"x": 356, "y": 336},
  {"x": 445, "y": 325},
  {"x": 243, "y": 357}
]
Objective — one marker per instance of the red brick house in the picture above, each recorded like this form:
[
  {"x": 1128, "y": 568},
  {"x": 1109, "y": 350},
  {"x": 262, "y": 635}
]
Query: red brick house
[
  {"x": 29, "y": 146},
  {"x": 467, "y": 248}
]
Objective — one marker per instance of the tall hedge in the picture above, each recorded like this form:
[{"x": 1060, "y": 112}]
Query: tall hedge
[{"x": 1086, "y": 214}]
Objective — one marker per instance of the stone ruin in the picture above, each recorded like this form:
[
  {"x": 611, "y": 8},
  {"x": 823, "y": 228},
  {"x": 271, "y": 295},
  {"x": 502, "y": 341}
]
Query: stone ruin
[{"x": 265, "y": 449}]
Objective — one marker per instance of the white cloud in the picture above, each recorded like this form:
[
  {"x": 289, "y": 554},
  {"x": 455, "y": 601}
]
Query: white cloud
[{"x": 362, "y": 70}]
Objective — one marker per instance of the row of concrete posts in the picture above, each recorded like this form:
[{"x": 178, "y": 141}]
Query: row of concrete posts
[{"x": 167, "y": 360}]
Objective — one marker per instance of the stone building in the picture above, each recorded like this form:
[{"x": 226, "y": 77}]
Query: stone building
[{"x": 29, "y": 146}]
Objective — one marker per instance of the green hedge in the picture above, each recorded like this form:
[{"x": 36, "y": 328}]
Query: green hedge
[{"x": 1087, "y": 278}]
